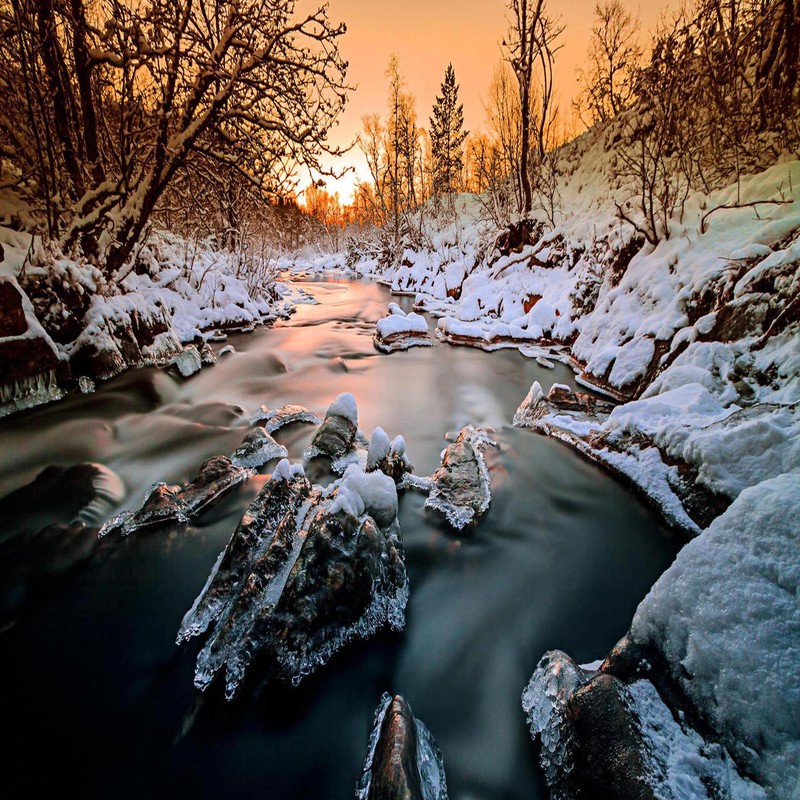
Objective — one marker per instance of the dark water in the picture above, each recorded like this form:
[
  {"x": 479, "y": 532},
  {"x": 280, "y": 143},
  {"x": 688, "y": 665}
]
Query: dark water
[{"x": 96, "y": 699}]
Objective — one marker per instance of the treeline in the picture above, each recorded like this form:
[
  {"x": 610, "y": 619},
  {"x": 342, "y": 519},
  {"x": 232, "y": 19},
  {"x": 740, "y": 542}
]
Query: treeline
[
  {"x": 196, "y": 114},
  {"x": 712, "y": 95}
]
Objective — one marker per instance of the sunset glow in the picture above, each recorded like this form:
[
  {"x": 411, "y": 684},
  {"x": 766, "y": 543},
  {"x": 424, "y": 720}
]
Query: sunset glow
[{"x": 427, "y": 35}]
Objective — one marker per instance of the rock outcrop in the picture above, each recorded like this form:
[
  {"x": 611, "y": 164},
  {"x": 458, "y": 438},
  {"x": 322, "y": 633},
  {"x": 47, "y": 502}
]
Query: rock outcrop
[
  {"x": 167, "y": 504},
  {"x": 403, "y": 762},
  {"x": 460, "y": 488},
  {"x": 308, "y": 569}
]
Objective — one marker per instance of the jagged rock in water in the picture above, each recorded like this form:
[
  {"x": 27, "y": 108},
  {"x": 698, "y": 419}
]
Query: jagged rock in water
[
  {"x": 256, "y": 449},
  {"x": 215, "y": 478},
  {"x": 188, "y": 361},
  {"x": 337, "y": 437},
  {"x": 403, "y": 762},
  {"x": 400, "y": 331},
  {"x": 274, "y": 419},
  {"x": 388, "y": 457},
  {"x": 307, "y": 570},
  {"x": 280, "y": 498},
  {"x": 460, "y": 487}
]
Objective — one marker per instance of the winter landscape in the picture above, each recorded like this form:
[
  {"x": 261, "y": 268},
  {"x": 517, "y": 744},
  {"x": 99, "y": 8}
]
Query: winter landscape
[{"x": 400, "y": 402}]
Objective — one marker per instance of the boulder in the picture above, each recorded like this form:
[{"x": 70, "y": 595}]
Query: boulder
[
  {"x": 181, "y": 504},
  {"x": 404, "y": 762}
]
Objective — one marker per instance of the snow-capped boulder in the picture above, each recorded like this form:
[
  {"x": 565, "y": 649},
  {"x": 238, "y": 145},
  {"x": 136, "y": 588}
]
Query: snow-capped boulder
[
  {"x": 400, "y": 331},
  {"x": 403, "y": 761},
  {"x": 307, "y": 570},
  {"x": 699, "y": 700},
  {"x": 337, "y": 438}
]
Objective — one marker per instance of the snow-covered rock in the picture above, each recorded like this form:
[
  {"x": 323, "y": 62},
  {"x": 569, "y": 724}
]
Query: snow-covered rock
[
  {"x": 275, "y": 419},
  {"x": 403, "y": 760},
  {"x": 307, "y": 570},
  {"x": 188, "y": 361},
  {"x": 700, "y": 699},
  {"x": 400, "y": 331}
]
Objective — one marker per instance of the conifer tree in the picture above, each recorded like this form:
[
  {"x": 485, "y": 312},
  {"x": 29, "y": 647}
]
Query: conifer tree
[{"x": 447, "y": 136}]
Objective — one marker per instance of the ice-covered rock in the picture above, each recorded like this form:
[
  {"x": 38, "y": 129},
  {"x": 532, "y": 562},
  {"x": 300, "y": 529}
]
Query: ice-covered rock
[
  {"x": 164, "y": 504},
  {"x": 338, "y": 436},
  {"x": 460, "y": 488},
  {"x": 229, "y": 349},
  {"x": 207, "y": 355},
  {"x": 256, "y": 449},
  {"x": 307, "y": 570},
  {"x": 602, "y": 736},
  {"x": 699, "y": 700},
  {"x": 400, "y": 331},
  {"x": 403, "y": 761},
  {"x": 276, "y": 418},
  {"x": 188, "y": 361},
  {"x": 726, "y": 617}
]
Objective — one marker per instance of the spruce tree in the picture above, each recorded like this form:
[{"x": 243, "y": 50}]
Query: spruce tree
[{"x": 447, "y": 136}]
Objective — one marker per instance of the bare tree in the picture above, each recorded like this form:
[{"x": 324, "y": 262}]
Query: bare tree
[
  {"x": 531, "y": 46},
  {"x": 107, "y": 102},
  {"x": 613, "y": 58}
]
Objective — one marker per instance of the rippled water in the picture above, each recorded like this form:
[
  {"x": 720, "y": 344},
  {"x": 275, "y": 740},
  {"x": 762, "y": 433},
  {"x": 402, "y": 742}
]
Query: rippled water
[{"x": 96, "y": 698}]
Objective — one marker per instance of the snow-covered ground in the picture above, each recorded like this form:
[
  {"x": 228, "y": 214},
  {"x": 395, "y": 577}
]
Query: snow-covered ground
[{"x": 698, "y": 336}]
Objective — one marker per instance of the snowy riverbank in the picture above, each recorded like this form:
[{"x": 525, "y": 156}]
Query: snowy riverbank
[{"x": 62, "y": 322}]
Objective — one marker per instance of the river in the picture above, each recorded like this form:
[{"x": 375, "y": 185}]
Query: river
[{"x": 96, "y": 698}]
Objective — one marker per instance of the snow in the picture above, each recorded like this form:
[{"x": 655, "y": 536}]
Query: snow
[
  {"x": 344, "y": 406},
  {"x": 726, "y": 617},
  {"x": 188, "y": 361},
  {"x": 680, "y": 764},
  {"x": 379, "y": 448},
  {"x": 370, "y": 493},
  {"x": 285, "y": 471},
  {"x": 397, "y": 323}
]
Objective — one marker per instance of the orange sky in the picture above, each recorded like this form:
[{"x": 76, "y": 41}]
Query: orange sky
[{"x": 426, "y": 35}]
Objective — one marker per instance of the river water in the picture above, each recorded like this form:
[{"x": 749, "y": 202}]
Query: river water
[{"x": 97, "y": 700}]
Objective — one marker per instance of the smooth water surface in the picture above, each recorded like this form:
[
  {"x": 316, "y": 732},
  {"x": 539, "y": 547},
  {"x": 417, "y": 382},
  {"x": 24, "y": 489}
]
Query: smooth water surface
[{"x": 98, "y": 701}]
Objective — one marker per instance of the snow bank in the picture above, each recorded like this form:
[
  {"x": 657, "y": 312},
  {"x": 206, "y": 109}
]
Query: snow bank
[{"x": 727, "y": 618}]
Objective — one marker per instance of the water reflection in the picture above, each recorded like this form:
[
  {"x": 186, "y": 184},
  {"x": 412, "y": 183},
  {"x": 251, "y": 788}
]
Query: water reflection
[{"x": 100, "y": 700}]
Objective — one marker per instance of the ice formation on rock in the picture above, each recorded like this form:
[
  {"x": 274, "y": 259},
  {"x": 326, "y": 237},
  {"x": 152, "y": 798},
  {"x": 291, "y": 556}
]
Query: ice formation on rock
[
  {"x": 256, "y": 449},
  {"x": 338, "y": 438},
  {"x": 403, "y": 761},
  {"x": 307, "y": 570},
  {"x": 460, "y": 488},
  {"x": 215, "y": 478},
  {"x": 274, "y": 419},
  {"x": 188, "y": 361}
]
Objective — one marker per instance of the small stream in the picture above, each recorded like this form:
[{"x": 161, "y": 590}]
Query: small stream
[{"x": 97, "y": 700}]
